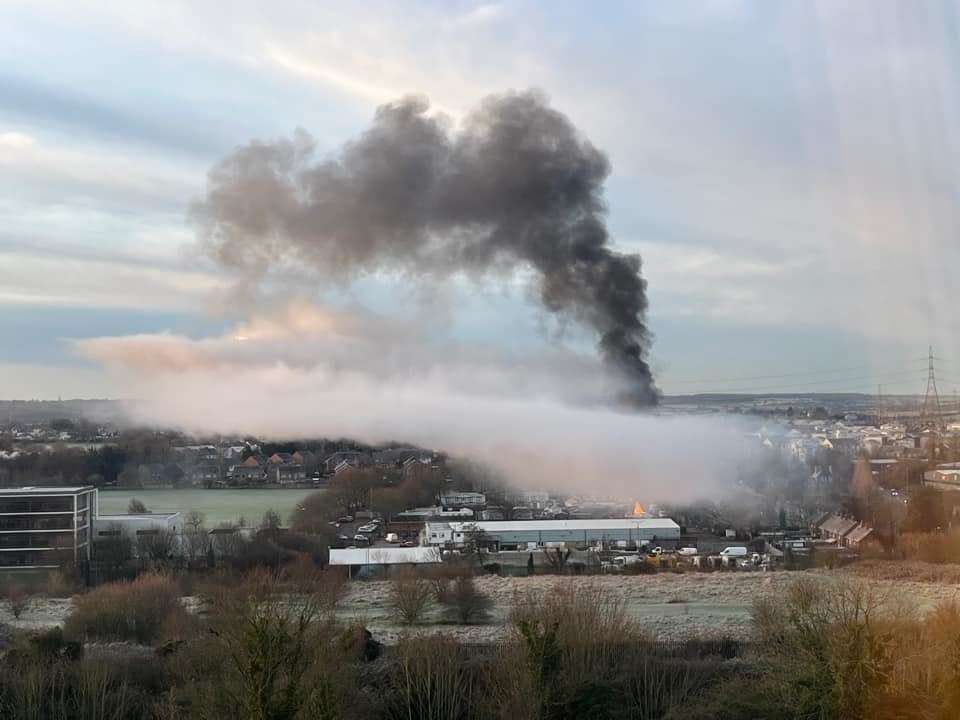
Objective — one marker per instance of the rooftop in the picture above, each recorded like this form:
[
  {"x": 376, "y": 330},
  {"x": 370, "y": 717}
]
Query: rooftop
[
  {"x": 384, "y": 556},
  {"x": 46, "y": 490},
  {"x": 607, "y": 524}
]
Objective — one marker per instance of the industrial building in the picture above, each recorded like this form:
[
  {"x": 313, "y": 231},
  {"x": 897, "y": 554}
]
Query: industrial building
[
  {"x": 42, "y": 527},
  {"x": 538, "y": 533},
  {"x": 45, "y": 527},
  {"x": 134, "y": 525}
]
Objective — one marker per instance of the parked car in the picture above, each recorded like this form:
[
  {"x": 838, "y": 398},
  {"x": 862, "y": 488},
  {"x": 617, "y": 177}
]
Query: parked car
[
  {"x": 687, "y": 551},
  {"x": 392, "y": 538},
  {"x": 345, "y": 519},
  {"x": 362, "y": 539}
]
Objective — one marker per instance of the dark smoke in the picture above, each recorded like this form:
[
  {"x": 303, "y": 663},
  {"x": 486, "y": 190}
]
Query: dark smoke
[{"x": 515, "y": 185}]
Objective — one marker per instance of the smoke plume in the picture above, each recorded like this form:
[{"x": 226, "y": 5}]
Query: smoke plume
[{"x": 513, "y": 186}]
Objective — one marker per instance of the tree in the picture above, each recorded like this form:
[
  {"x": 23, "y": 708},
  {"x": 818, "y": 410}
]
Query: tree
[
  {"x": 350, "y": 490},
  {"x": 466, "y": 601},
  {"x": 409, "y": 596},
  {"x": 314, "y": 513},
  {"x": 271, "y": 520},
  {"x": 862, "y": 489},
  {"x": 113, "y": 549},
  {"x": 194, "y": 519},
  {"x": 557, "y": 557},
  {"x": 269, "y": 647},
  {"x": 156, "y": 544},
  {"x": 196, "y": 539},
  {"x": 136, "y": 507},
  {"x": 172, "y": 474},
  {"x": 925, "y": 511},
  {"x": 62, "y": 425}
]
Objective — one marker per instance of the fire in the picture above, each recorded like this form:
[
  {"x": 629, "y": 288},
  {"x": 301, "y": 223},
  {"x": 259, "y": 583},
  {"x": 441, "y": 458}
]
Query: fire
[{"x": 638, "y": 510}]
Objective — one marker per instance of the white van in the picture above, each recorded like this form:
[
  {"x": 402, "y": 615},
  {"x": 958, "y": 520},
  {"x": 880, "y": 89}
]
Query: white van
[{"x": 734, "y": 552}]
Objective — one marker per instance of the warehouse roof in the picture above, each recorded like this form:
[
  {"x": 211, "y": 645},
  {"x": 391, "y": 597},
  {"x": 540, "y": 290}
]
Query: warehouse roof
[
  {"x": 533, "y": 525},
  {"x": 384, "y": 556},
  {"x": 45, "y": 490}
]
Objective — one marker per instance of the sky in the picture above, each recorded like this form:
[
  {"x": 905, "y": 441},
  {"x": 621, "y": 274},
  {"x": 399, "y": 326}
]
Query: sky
[{"x": 786, "y": 170}]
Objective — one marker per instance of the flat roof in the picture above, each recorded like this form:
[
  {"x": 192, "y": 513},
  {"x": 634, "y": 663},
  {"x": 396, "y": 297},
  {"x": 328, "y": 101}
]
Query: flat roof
[
  {"x": 46, "y": 490},
  {"x": 384, "y": 556},
  {"x": 606, "y": 524}
]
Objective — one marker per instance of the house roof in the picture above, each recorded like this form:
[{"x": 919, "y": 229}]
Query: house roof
[
  {"x": 859, "y": 533},
  {"x": 836, "y": 525}
]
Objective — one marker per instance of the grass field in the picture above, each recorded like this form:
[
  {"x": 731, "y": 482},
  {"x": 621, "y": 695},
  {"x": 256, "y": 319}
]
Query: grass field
[{"x": 218, "y": 505}]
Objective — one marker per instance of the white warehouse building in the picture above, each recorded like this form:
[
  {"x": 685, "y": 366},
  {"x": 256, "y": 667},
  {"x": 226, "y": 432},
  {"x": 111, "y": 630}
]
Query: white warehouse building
[{"x": 528, "y": 533}]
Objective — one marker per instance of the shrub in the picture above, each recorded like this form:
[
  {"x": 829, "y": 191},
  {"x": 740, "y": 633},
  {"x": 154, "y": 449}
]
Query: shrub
[
  {"x": 278, "y": 659},
  {"x": 429, "y": 680},
  {"x": 829, "y": 649},
  {"x": 85, "y": 690},
  {"x": 58, "y": 584},
  {"x": 326, "y": 587},
  {"x": 259, "y": 552},
  {"x": 466, "y": 602},
  {"x": 131, "y": 611},
  {"x": 16, "y": 598},
  {"x": 441, "y": 577},
  {"x": 136, "y": 507},
  {"x": 571, "y": 639},
  {"x": 410, "y": 596}
]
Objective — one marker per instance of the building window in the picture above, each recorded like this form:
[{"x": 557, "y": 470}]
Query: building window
[
  {"x": 153, "y": 531},
  {"x": 108, "y": 533}
]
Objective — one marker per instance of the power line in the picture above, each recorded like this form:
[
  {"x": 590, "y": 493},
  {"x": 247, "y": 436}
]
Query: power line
[
  {"x": 913, "y": 375},
  {"x": 832, "y": 371}
]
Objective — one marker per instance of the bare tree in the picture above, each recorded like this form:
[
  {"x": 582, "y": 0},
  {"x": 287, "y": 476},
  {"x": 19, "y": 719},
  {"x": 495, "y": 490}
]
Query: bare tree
[
  {"x": 557, "y": 557},
  {"x": 410, "y": 596},
  {"x": 156, "y": 544},
  {"x": 466, "y": 601},
  {"x": 271, "y": 520},
  {"x": 113, "y": 548}
]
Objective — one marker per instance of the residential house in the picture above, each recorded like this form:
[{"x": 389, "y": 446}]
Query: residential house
[
  {"x": 249, "y": 472},
  {"x": 354, "y": 458},
  {"x": 286, "y": 469},
  {"x": 836, "y": 528},
  {"x": 204, "y": 474}
]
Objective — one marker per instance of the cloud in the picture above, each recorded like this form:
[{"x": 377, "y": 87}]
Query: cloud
[{"x": 15, "y": 140}]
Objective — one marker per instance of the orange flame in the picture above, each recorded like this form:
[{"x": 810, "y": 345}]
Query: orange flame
[{"x": 638, "y": 510}]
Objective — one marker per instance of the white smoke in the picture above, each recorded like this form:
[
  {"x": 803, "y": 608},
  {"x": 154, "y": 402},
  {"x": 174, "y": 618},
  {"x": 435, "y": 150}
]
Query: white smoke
[{"x": 307, "y": 371}]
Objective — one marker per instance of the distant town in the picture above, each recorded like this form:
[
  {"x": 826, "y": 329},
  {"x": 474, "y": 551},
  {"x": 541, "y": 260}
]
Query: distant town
[{"x": 818, "y": 476}]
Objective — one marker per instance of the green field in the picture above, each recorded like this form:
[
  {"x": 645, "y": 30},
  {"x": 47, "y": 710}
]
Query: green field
[{"x": 219, "y": 506}]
